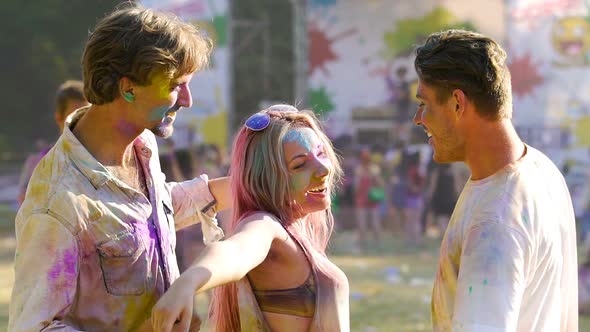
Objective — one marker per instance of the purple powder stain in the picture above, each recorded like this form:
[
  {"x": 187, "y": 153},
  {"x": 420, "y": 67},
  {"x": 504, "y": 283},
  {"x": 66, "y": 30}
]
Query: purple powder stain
[
  {"x": 126, "y": 127},
  {"x": 62, "y": 275}
]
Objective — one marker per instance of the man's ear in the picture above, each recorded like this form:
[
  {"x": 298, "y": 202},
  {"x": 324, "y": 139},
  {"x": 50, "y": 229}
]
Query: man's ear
[
  {"x": 126, "y": 89},
  {"x": 459, "y": 99}
]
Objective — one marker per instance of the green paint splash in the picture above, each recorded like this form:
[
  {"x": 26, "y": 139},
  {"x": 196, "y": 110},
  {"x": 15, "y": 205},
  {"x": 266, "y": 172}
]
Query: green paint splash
[
  {"x": 220, "y": 24},
  {"x": 402, "y": 39},
  {"x": 320, "y": 101}
]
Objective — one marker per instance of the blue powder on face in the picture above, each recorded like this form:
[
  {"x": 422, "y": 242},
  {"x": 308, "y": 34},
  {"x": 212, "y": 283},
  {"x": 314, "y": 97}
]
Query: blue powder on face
[
  {"x": 159, "y": 113},
  {"x": 301, "y": 136}
]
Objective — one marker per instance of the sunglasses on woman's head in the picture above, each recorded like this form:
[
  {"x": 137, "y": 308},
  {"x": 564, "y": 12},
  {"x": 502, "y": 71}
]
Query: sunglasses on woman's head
[{"x": 259, "y": 121}]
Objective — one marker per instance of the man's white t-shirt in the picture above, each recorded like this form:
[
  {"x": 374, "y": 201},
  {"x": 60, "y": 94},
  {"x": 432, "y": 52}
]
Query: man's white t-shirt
[{"x": 508, "y": 260}]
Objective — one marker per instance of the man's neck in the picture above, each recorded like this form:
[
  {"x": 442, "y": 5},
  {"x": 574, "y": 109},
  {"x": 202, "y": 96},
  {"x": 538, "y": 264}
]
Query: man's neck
[
  {"x": 491, "y": 147},
  {"x": 100, "y": 134}
]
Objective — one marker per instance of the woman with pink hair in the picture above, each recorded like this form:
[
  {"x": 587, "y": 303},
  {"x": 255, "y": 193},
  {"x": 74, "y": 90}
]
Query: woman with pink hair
[{"x": 272, "y": 269}]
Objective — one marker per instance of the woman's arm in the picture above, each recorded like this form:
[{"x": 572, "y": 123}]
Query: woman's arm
[{"x": 220, "y": 263}]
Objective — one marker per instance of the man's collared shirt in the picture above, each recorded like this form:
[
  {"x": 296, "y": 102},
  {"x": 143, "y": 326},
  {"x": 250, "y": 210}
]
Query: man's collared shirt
[{"x": 94, "y": 254}]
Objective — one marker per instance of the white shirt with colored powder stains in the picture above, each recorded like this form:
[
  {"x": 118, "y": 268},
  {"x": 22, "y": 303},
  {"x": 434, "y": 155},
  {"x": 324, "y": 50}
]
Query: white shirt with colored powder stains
[{"x": 508, "y": 260}]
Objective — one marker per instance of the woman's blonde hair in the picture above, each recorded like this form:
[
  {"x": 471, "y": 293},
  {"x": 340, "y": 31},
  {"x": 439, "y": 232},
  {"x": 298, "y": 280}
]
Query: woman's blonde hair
[{"x": 139, "y": 43}]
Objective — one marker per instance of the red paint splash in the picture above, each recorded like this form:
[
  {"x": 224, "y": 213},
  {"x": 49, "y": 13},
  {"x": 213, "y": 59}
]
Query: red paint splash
[
  {"x": 525, "y": 75},
  {"x": 321, "y": 49}
]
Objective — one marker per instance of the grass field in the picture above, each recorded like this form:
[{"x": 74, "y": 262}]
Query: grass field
[{"x": 390, "y": 289}]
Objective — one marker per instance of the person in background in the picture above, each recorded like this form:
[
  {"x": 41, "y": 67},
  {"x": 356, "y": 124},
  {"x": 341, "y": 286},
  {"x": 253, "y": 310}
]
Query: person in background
[
  {"x": 68, "y": 98},
  {"x": 369, "y": 192},
  {"x": 206, "y": 159},
  {"x": 442, "y": 193},
  {"x": 414, "y": 197}
]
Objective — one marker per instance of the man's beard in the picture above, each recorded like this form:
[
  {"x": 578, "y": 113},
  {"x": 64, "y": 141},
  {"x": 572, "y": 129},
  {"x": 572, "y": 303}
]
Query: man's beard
[{"x": 164, "y": 129}]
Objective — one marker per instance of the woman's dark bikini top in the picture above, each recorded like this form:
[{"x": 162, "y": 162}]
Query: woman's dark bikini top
[{"x": 298, "y": 301}]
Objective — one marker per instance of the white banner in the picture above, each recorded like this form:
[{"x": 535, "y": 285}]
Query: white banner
[
  {"x": 356, "y": 49},
  {"x": 207, "y": 120}
]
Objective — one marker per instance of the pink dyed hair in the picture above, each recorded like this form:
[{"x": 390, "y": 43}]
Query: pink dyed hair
[{"x": 260, "y": 182}]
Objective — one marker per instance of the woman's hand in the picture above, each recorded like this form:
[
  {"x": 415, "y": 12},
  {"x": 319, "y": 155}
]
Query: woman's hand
[
  {"x": 174, "y": 311},
  {"x": 217, "y": 265}
]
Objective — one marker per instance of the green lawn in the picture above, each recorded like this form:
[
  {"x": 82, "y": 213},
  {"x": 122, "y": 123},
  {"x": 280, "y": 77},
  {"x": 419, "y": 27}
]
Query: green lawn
[
  {"x": 7, "y": 244},
  {"x": 390, "y": 289}
]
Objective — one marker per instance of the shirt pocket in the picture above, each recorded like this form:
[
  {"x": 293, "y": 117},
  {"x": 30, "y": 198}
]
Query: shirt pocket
[{"x": 124, "y": 264}]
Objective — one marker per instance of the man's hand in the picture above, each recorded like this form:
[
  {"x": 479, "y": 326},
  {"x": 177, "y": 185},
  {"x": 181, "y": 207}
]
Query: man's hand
[
  {"x": 146, "y": 326},
  {"x": 174, "y": 311},
  {"x": 195, "y": 323}
]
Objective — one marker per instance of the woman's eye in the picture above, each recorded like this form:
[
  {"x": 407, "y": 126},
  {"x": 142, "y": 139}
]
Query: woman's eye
[{"x": 298, "y": 166}]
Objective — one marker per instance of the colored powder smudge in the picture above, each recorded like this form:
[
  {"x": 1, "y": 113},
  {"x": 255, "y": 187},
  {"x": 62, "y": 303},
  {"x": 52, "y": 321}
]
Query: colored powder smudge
[
  {"x": 485, "y": 282},
  {"x": 163, "y": 85},
  {"x": 298, "y": 181},
  {"x": 159, "y": 113},
  {"x": 126, "y": 127},
  {"x": 62, "y": 276},
  {"x": 299, "y": 136},
  {"x": 304, "y": 138},
  {"x": 470, "y": 290}
]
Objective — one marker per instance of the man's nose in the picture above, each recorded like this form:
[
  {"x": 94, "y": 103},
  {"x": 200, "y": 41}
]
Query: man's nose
[
  {"x": 418, "y": 117},
  {"x": 185, "y": 98}
]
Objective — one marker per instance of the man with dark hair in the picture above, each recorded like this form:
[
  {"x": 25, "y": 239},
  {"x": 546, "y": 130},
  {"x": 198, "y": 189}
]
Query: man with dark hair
[
  {"x": 96, "y": 231},
  {"x": 508, "y": 260},
  {"x": 68, "y": 98}
]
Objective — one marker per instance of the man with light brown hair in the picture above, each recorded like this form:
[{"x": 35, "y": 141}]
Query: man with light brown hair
[
  {"x": 508, "y": 259},
  {"x": 96, "y": 231}
]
